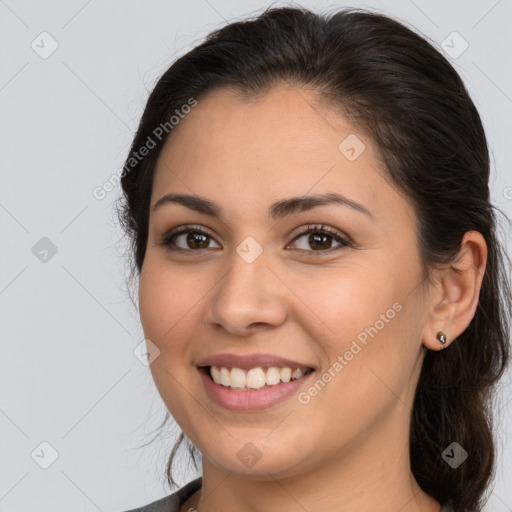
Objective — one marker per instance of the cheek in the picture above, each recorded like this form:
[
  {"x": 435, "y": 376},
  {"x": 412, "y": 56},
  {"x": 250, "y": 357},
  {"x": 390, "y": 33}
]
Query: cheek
[
  {"x": 166, "y": 307},
  {"x": 164, "y": 302},
  {"x": 367, "y": 334},
  {"x": 347, "y": 301},
  {"x": 166, "y": 313}
]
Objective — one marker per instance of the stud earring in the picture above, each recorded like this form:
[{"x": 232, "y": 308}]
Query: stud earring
[{"x": 441, "y": 336}]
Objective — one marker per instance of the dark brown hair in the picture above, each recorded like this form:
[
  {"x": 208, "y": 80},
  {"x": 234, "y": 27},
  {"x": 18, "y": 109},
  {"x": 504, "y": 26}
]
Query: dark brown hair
[{"x": 402, "y": 92}]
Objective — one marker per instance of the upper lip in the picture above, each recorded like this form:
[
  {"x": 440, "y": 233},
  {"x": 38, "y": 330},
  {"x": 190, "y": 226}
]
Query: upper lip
[{"x": 250, "y": 361}]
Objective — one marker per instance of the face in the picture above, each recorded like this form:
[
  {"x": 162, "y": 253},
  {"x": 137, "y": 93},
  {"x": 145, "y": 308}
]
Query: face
[{"x": 333, "y": 287}]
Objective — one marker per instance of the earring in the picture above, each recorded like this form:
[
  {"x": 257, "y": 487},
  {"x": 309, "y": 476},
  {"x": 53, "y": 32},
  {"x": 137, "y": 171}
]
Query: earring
[{"x": 441, "y": 336}]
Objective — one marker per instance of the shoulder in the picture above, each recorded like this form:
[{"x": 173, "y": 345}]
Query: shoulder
[{"x": 173, "y": 502}]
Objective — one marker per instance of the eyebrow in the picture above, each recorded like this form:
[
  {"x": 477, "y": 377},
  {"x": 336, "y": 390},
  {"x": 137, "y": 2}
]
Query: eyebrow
[{"x": 276, "y": 210}]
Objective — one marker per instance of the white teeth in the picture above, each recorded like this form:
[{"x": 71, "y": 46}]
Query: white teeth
[
  {"x": 296, "y": 374},
  {"x": 225, "y": 377},
  {"x": 215, "y": 373},
  {"x": 255, "y": 378},
  {"x": 273, "y": 376},
  {"x": 286, "y": 374},
  {"x": 237, "y": 377}
]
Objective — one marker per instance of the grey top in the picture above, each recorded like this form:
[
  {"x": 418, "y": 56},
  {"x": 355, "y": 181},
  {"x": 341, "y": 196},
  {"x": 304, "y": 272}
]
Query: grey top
[{"x": 173, "y": 502}]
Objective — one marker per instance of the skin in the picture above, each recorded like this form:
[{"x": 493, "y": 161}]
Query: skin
[{"x": 348, "y": 448}]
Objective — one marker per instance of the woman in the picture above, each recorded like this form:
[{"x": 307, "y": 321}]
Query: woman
[{"x": 321, "y": 287}]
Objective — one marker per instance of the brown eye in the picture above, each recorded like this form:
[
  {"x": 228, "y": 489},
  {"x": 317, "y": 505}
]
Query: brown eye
[
  {"x": 187, "y": 239},
  {"x": 196, "y": 240},
  {"x": 320, "y": 240}
]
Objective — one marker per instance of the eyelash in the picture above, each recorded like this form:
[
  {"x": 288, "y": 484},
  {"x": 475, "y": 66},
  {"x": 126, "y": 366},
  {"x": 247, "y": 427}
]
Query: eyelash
[{"x": 310, "y": 228}]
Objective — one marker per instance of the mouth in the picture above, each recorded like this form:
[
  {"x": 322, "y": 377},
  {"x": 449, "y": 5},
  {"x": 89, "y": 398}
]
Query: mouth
[
  {"x": 252, "y": 382},
  {"x": 253, "y": 379}
]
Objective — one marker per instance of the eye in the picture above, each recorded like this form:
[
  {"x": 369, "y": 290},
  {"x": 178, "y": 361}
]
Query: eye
[
  {"x": 320, "y": 237},
  {"x": 192, "y": 238}
]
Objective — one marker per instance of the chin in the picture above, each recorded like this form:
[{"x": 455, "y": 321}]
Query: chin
[{"x": 257, "y": 461}]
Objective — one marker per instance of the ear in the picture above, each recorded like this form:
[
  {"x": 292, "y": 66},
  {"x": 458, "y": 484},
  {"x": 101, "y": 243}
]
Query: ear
[{"x": 453, "y": 298}]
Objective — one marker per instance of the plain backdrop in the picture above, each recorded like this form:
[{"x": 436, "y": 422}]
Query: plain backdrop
[{"x": 76, "y": 404}]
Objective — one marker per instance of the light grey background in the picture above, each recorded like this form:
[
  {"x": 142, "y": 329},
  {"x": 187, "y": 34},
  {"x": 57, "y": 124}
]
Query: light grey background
[{"x": 69, "y": 376}]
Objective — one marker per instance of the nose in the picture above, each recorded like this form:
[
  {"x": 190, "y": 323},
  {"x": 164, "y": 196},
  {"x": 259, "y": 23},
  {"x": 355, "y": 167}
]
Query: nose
[{"x": 248, "y": 297}]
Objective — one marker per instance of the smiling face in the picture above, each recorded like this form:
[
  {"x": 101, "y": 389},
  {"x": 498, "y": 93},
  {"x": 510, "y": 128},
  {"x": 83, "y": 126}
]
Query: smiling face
[{"x": 266, "y": 279}]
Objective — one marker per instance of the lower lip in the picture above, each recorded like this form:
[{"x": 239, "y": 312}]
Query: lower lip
[{"x": 250, "y": 400}]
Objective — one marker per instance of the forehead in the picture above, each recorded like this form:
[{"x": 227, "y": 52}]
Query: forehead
[{"x": 258, "y": 150}]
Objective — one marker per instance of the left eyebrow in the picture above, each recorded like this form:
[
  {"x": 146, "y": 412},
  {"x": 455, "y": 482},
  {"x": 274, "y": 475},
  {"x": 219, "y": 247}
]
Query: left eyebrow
[
  {"x": 276, "y": 211},
  {"x": 292, "y": 205}
]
